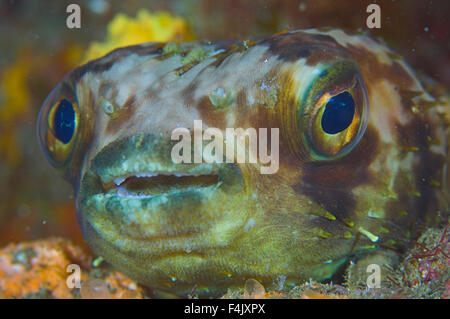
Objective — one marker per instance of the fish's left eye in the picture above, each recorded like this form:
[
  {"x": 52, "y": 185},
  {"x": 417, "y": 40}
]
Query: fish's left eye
[
  {"x": 58, "y": 126},
  {"x": 331, "y": 111}
]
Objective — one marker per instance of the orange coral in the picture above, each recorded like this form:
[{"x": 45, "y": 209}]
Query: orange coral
[
  {"x": 37, "y": 269},
  {"x": 146, "y": 27}
]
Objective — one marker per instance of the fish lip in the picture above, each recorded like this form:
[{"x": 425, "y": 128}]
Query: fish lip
[
  {"x": 116, "y": 184},
  {"x": 93, "y": 192},
  {"x": 207, "y": 181},
  {"x": 195, "y": 170},
  {"x": 97, "y": 191},
  {"x": 142, "y": 155},
  {"x": 155, "y": 220}
]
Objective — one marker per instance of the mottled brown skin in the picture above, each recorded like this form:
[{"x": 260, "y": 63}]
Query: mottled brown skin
[{"x": 317, "y": 212}]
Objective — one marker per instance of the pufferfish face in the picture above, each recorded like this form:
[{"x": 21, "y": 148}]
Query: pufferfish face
[{"x": 359, "y": 153}]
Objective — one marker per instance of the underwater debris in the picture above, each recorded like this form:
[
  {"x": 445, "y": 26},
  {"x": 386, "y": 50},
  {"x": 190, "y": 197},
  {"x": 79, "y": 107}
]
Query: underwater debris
[
  {"x": 196, "y": 55},
  {"x": 311, "y": 294},
  {"x": 221, "y": 98},
  {"x": 427, "y": 263},
  {"x": 191, "y": 58},
  {"x": 23, "y": 256},
  {"x": 109, "y": 108},
  {"x": 446, "y": 294},
  {"x": 171, "y": 48},
  {"x": 268, "y": 94},
  {"x": 94, "y": 289},
  {"x": 423, "y": 273},
  {"x": 308, "y": 290},
  {"x": 253, "y": 289}
]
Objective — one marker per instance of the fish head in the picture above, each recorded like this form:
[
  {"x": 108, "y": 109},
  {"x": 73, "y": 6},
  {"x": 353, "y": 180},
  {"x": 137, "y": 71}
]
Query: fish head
[{"x": 204, "y": 164}]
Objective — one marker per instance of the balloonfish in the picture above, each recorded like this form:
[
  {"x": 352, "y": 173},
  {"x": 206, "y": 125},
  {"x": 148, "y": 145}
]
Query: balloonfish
[{"x": 361, "y": 159}]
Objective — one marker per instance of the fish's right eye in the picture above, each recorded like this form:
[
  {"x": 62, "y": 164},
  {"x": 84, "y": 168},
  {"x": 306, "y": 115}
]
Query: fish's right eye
[{"x": 64, "y": 121}]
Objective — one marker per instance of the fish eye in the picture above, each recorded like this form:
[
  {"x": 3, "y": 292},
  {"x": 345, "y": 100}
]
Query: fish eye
[
  {"x": 64, "y": 121},
  {"x": 338, "y": 114},
  {"x": 58, "y": 125},
  {"x": 331, "y": 111}
]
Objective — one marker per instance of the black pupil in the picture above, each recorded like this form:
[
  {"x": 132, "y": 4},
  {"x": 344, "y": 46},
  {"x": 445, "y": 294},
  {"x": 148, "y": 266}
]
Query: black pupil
[
  {"x": 339, "y": 113},
  {"x": 64, "y": 121}
]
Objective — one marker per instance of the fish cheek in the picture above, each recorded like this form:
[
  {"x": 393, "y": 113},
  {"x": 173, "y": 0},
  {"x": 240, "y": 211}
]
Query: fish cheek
[
  {"x": 231, "y": 179},
  {"x": 331, "y": 184},
  {"x": 418, "y": 188}
]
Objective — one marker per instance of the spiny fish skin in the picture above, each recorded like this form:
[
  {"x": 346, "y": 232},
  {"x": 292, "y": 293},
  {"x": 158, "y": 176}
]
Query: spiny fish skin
[{"x": 335, "y": 196}]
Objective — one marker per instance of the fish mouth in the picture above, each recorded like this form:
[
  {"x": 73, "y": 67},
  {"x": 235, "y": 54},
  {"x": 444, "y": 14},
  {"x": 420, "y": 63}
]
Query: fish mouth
[
  {"x": 151, "y": 184},
  {"x": 141, "y": 167},
  {"x": 133, "y": 195},
  {"x": 151, "y": 205}
]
